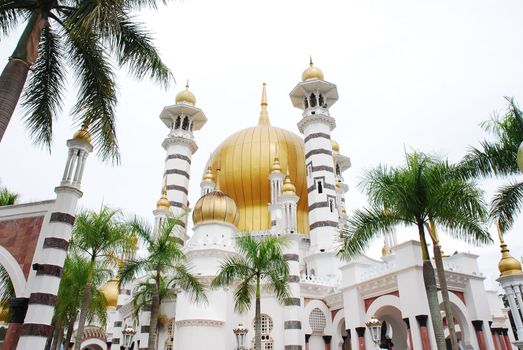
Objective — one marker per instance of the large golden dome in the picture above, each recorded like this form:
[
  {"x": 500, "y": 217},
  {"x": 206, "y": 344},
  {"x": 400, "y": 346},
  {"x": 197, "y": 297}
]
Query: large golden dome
[{"x": 244, "y": 162}]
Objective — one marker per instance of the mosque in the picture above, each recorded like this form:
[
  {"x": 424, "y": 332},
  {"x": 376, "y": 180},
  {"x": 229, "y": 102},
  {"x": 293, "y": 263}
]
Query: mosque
[{"x": 265, "y": 180}]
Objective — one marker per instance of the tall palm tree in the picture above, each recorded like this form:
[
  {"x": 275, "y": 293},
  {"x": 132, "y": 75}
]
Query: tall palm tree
[
  {"x": 96, "y": 236},
  {"x": 7, "y": 197},
  {"x": 77, "y": 271},
  {"x": 166, "y": 265},
  {"x": 7, "y": 291},
  {"x": 424, "y": 191},
  {"x": 84, "y": 35},
  {"x": 260, "y": 261},
  {"x": 500, "y": 157}
]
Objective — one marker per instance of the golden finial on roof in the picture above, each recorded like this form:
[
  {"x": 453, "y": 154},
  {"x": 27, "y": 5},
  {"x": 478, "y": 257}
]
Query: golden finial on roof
[
  {"x": 384, "y": 250},
  {"x": 288, "y": 186},
  {"x": 209, "y": 175},
  {"x": 312, "y": 72},
  {"x": 264, "y": 115},
  {"x": 335, "y": 146},
  {"x": 83, "y": 134},
  {"x": 276, "y": 168},
  {"x": 186, "y": 95},
  {"x": 163, "y": 202},
  {"x": 508, "y": 265}
]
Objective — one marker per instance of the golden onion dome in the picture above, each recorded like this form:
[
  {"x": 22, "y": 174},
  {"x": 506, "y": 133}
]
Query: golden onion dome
[
  {"x": 245, "y": 160},
  {"x": 4, "y": 313},
  {"x": 335, "y": 146},
  {"x": 508, "y": 265},
  {"x": 83, "y": 135},
  {"x": 186, "y": 96},
  {"x": 163, "y": 202},
  {"x": 110, "y": 291},
  {"x": 215, "y": 206},
  {"x": 312, "y": 73}
]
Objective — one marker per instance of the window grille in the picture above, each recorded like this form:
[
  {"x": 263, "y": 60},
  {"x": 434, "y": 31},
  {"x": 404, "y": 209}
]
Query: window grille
[{"x": 317, "y": 321}]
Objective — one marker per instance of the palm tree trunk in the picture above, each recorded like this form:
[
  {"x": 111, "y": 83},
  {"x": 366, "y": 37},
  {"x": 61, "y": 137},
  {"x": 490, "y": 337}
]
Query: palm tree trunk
[
  {"x": 445, "y": 295},
  {"x": 429, "y": 279},
  {"x": 257, "y": 317},
  {"x": 83, "y": 315},
  {"x": 14, "y": 75},
  {"x": 153, "y": 322},
  {"x": 59, "y": 336},
  {"x": 52, "y": 335},
  {"x": 70, "y": 329}
]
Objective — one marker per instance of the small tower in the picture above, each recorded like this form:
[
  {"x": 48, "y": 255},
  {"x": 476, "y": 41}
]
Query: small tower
[
  {"x": 315, "y": 96},
  {"x": 162, "y": 211},
  {"x": 42, "y": 287},
  {"x": 208, "y": 183},
  {"x": 341, "y": 163},
  {"x": 276, "y": 183},
  {"x": 182, "y": 119},
  {"x": 511, "y": 279},
  {"x": 289, "y": 199}
]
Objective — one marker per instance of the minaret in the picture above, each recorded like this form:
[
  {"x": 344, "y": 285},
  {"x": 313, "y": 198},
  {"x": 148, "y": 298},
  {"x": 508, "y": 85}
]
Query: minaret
[
  {"x": 511, "y": 279},
  {"x": 315, "y": 96},
  {"x": 208, "y": 183},
  {"x": 341, "y": 163},
  {"x": 182, "y": 119},
  {"x": 276, "y": 181},
  {"x": 43, "y": 286},
  {"x": 292, "y": 330}
]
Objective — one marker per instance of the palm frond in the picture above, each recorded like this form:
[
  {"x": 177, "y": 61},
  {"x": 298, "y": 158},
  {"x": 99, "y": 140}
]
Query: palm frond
[
  {"x": 507, "y": 204},
  {"x": 42, "y": 99},
  {"x": 12, "y": 12},
  {"x": 243, "y": 296},
  {"x": 7, "y": 197},
  {"x": 234, "y": 267},
  {"x": 363, "y": 226},
  {"x": 188, "y": 282},
  {"x": 97, "y": 94}
]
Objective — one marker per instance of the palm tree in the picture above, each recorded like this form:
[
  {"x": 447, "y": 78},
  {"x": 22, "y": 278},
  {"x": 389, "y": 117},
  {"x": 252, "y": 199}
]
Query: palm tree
[
  {"x": 500, "y": 157},
  {"x": 77, "y": 270},
  {"x": 97, "y": 236},
  {"x": 165, "y": 265},
  {"x": 423, "y": 192},
  {"x": 259, "y": 261},
  {"x": 7, "y": 197},
  {"x": 7, "y": 291},
  {"x": 84, "y": 35}
]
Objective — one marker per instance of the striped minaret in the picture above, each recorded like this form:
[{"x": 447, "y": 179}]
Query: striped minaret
[
  {"x": 292, "y": 330},
  {"x": 182, "y": 119},
  {"x": 49, "y": 261},
  {"x": 315, "y": 96}
]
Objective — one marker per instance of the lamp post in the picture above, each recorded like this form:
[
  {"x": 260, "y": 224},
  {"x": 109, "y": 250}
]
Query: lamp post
[
  {"x": 128, "y": 334},
  {"x": 241, "y": 334},
  {"x": 374, "y": 326}
]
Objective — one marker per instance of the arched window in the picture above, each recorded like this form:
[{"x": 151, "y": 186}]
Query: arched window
[
  {"x": 338, "y": 170},
  {"x": 313, "y": 100},
  {"x": 266, "y": 328},
  {"x": 185, "y": 124},
  {"x": 317, "y": 321},
  {"x": 177, "y": 124},
  {"x": 320, "y": 187},
  {"x": 331, "y": 205},
  {"x": 320, "y": 101},
  {"x": 305, "y": 102}
]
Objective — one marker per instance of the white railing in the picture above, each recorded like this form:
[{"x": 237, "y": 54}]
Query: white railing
[
  {"x": 330, "y": 281},
  {"x": 377, "y": 271}
]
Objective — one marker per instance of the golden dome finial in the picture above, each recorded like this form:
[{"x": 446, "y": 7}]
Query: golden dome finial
[
  {"x": 186, "y": 95},
  {"x": 163, "y": 202},
  {"x": 83, "y": 134},
  {"x": 288, "y": 186},
  {"x": 335, "y": 146},
  {"x": 276, "y": 168},
  {"x": 264, "y": 115},
  {"x": 209, "y": 175},
  {"x": 312, "y": 72},
  {"x": 508, "y": 265}
]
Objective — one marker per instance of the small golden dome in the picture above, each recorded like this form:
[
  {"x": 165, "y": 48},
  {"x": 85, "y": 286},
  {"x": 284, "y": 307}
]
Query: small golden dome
[
  {"x": 288, "y": 186},
  {"x": 312, "y": 73},
  {"x": 276, "y": 168},
  {"x": 83, "y": 135},
  {"x": 508, "y": 265},
  {"x": 110, "y": 291},
  {"x": 216, "y": 206},
  {"x": 163, "y": 202},
  {"x": 335, "y": 146},
  {"x": 186, "y": 96},
  {"x": 338, "y": 185},
  {"x": 384, "y": 250},
  {"x": 209, "y": 176}
]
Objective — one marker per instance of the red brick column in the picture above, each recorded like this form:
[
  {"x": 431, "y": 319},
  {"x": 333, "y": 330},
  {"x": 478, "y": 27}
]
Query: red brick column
[
  {"x": 407, "y": 322},
  {"x": 327, "y": 339},
  {"x": 18, "y": 308},
  {"x": 424, "y": 332},
  {"x": 495, "y": 339},
  {"x": 506, "y": 338},
  {"x": 478, "y": 327},
  {"x": 361, "y": 337}
]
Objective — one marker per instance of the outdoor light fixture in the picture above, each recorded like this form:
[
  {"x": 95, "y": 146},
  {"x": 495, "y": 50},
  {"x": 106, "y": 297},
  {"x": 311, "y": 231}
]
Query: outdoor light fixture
[
  {"x": 241, "y": 334},
  {"x": 374, "y": 326},
  {"x": 128, "y": 334}
]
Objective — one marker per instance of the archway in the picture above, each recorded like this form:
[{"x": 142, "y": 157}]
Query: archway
[
  {"x": 14, "y": 271},
  {"x": 465, "y": 333},
  {"x": 386, "y": 309}
]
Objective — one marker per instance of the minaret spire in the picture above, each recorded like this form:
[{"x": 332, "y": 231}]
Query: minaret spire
[{"x": 264, "y": 115}]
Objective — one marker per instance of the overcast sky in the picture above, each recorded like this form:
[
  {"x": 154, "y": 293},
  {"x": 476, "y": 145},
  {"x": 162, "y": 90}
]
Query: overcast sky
[{"x": 410, "y": 74}]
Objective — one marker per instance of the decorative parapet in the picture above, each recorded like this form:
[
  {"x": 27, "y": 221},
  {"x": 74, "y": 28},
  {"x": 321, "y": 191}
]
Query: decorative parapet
[
  {"x": 199, "y": 323},
  {"x": 377, "y": 271}
]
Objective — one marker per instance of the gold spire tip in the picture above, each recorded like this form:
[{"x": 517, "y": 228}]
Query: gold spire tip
[
  {"x": 310, "y": 61},
  {"x": 264, "y": 115},
  {"x": 187, "y": 84}
]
